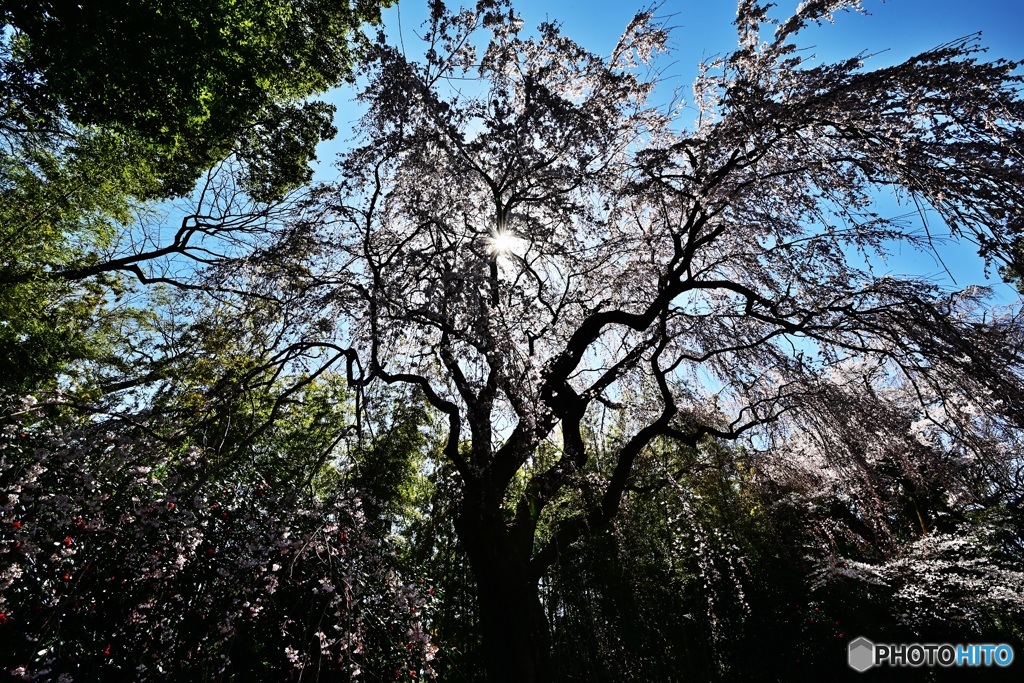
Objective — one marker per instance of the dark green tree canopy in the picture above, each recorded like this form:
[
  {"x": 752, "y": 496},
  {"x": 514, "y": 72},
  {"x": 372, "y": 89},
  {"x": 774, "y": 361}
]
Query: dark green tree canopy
[
  {"x": 106, "y": 105},
  {"x": 194, "y": 81}
]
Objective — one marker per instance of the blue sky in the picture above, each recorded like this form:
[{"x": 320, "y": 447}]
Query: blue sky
[
  {"x": 703, "y": 27},
  {"x": 896, "y": 29},
  {"x": 905, "y": 26}
]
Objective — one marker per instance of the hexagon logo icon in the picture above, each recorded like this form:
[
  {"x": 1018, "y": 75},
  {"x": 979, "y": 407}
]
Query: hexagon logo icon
[{"x": 861, "y": 654}]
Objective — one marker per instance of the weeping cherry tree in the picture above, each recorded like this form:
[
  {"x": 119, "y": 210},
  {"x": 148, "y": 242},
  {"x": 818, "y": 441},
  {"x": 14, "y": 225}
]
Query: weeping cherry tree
[{"x": 524, "y": 236}]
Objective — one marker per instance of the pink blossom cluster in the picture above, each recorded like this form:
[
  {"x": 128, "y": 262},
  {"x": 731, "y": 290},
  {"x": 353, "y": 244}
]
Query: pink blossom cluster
[{"x": 127, "y": 555}]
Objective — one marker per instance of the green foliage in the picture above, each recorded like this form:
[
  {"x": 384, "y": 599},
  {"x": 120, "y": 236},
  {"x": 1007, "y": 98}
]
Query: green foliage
[
  {"x": 389, "y": 465},
  {"x": 62, "y": 208},
  {"x": 191, "y": 82},
  {"x": 106, "y": 105},
  {"x": 432, "y": 549},
  {"x": 653, "y": 597},
  {"x": 1011, "y": 272}
]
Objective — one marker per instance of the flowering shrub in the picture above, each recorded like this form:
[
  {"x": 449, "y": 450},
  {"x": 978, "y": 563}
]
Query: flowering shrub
[
  {"x": 123, "y": 556},
  {"x": 951, "y": 578}
]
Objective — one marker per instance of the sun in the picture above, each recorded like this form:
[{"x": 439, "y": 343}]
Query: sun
[{"x": 501, "y": 242}]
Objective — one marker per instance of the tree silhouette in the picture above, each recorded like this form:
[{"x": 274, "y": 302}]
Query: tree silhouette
[{"x": 526, "y": 239}]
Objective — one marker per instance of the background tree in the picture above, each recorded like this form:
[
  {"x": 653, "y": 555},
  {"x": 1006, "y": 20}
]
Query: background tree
[
  {"x": 106, "y": 106},
  {"x": 546, "y": 245},
  {"x": 63, "y": 207},
  {"x": 188, "y": 83}
]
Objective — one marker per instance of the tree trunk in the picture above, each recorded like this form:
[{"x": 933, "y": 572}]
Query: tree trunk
[{"x": 516, "y": 641}]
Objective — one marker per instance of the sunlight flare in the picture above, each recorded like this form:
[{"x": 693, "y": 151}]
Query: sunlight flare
[{"x": 501, "y": 242}]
